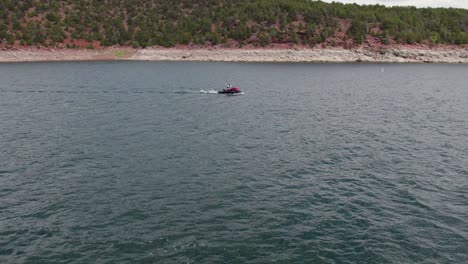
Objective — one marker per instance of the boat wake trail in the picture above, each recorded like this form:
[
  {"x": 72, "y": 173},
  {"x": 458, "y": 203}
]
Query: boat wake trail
[
  {"x": 208, "y": 91},
  {"x": 186, "y": 91}
]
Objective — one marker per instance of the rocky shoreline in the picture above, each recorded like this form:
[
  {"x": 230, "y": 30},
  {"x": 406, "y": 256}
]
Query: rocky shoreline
[{"x": 386, "y": 55}]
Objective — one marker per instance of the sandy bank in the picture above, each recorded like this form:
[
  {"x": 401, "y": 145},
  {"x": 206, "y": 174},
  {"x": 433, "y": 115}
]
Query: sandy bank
[
  {"x": 398, "y": 55},
  {"x": 31, "y": 54}
]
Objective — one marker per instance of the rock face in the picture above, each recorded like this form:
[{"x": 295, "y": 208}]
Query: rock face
[
  {"x": 396, "y": 55},
  {"x": 307, "y": 55},
  {"x": 418, "y": 55}
]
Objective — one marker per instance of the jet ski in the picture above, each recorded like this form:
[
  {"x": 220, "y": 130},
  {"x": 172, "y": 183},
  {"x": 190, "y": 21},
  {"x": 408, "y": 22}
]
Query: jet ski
[{"x": 231, "y": 91}]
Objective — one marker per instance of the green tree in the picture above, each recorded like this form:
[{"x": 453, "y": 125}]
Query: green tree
[{"x": 52, "y": 17}]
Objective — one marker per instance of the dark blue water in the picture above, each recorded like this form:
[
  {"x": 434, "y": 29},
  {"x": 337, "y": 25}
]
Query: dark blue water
[{"x": 126, "y": 162}]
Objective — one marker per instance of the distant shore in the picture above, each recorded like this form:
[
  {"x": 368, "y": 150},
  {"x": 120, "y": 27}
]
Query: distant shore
[{"x": 384, "y": 55}]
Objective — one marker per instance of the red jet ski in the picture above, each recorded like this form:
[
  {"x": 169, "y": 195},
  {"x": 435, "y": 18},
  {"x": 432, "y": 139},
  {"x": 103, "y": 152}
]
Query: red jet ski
[{"x": 231, "y": 90}]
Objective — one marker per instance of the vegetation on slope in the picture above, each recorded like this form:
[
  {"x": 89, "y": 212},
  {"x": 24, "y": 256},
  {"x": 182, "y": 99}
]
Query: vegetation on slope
[{"x": 143, "y": 23}]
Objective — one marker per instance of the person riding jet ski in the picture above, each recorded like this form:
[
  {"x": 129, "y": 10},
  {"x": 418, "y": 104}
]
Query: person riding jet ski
[
  {"x": 230, "y": 90},
  {"x": 228, "y": 87}
]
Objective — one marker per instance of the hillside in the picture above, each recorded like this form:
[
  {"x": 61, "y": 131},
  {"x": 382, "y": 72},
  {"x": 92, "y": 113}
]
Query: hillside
[{"x": 260, "y": 23}]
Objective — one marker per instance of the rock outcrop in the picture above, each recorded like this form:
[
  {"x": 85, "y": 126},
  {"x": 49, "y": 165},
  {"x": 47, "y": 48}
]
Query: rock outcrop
[{"x": 388, "y": 55}]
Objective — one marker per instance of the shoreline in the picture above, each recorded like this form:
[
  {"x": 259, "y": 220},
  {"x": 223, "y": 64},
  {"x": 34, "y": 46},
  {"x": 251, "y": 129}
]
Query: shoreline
[{"x": 330, "y": 55}]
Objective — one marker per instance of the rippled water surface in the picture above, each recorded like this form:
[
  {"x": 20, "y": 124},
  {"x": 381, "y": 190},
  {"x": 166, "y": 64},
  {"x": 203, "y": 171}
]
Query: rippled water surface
[{"x": 127, "y": 162}]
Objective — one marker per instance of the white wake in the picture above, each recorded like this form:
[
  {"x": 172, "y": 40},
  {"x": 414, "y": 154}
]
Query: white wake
[{"x": 208, "y": 91}]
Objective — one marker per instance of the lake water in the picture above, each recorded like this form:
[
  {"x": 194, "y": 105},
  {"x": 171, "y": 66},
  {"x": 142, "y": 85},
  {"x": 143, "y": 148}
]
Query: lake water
[{"x": 126, "y": 162}]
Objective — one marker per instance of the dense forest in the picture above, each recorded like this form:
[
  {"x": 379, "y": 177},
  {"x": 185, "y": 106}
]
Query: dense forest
[{"x": 143, "y": 23}]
